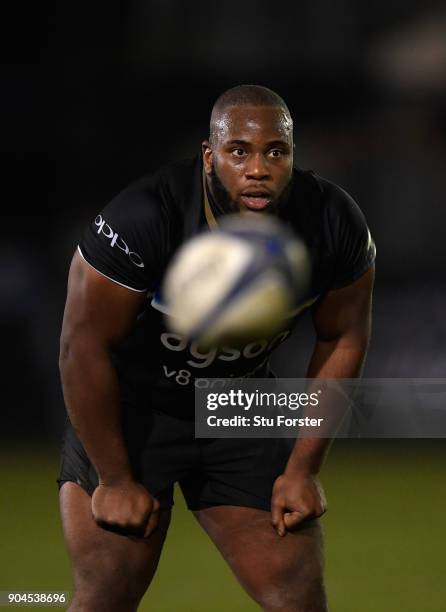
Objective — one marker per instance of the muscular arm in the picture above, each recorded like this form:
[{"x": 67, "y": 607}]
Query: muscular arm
[
  {"x": 342, "y": 323},
  {"x": 98, "y": 313}
]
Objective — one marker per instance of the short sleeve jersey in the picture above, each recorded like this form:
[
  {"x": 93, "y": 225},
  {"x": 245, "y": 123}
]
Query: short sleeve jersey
[{"x": 132, "y": 240}]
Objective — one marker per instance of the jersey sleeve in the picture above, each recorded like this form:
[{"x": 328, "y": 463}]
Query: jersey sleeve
[
  {"x": 128, "y": 240},
  {"x": 353, "y": 247}
]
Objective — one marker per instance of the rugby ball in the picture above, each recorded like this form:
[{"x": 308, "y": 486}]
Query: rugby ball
[{"x": 237, "y": 282}]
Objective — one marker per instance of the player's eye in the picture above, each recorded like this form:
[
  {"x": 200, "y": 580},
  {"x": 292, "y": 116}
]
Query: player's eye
[
  {"x": 238, "y": 152},
  {"x": 276, "y": 153}
]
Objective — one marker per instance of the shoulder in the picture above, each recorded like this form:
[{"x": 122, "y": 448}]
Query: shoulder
[
  {"x": 334, "y": 228},
  {"x": 337, "y": 210},
  {"x": 154, "y": 196},
  {"x": 131, "y": 239},
  {"x": 347, "y": 233},
  {"x": 338, "y": 204}
]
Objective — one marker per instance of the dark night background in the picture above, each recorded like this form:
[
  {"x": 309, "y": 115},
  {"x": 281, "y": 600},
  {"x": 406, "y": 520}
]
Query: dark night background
[{"x": 95, "y": 95}]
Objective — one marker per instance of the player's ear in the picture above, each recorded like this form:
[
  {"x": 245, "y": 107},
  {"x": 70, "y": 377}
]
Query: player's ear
[{"x": 207, "y": 156}]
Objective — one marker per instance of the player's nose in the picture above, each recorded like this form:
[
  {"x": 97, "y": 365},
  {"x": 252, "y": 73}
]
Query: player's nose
[{"x": 256, "y": 167}]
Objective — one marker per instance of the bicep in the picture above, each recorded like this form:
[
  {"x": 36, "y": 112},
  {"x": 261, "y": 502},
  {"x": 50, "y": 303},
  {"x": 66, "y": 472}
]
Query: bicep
[
  {"x": 97, "y": 307},
  {"x": 346, "y": 313}
]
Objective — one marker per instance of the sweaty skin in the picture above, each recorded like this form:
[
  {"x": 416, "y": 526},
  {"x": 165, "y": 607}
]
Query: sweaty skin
[{"x": 252, "y": 155}]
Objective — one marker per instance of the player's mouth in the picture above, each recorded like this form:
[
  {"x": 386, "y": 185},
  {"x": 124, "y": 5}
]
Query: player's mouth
[{"x": 256, "y": 200}]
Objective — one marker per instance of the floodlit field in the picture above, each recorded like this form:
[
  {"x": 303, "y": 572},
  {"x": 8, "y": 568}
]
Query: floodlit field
[{"x": 385, "y": 534}]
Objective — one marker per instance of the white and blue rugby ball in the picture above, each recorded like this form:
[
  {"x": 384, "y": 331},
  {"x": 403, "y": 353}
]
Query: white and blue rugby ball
[{"x": 237, "y": 282}]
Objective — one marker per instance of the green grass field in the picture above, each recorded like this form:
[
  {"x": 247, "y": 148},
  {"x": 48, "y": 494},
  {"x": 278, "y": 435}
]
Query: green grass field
[{"x": 385, "y": 534}]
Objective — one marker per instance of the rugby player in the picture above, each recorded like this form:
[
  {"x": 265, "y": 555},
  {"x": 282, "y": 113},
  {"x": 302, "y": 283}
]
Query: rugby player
[{"x": 128, "y": 382}]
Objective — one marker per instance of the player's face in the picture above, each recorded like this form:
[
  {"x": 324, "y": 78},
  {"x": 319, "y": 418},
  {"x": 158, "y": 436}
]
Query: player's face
[{"x": 250, "y": 163}]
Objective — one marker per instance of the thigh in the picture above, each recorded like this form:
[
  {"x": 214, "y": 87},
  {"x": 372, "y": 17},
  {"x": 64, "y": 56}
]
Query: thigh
[
  {"x": 111, "y": 571},
  {"x": 280, "y": 573}
]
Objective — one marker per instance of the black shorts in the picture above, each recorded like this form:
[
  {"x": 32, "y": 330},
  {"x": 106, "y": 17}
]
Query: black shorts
[{"x": 163, "y": 451}]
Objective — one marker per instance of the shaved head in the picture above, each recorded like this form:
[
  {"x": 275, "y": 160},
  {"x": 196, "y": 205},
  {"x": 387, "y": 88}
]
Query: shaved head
[
  {"x": 245, "y": 95},
  {"x": 248, "y": 159}
]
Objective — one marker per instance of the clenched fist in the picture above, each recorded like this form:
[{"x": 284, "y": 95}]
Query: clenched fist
[
  {"x": 296, "y": 498},
  {"x": 126, "y": 508}
]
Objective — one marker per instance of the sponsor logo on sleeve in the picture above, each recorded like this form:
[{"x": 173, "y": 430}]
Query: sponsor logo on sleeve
[{"x": 117, "y": 241}]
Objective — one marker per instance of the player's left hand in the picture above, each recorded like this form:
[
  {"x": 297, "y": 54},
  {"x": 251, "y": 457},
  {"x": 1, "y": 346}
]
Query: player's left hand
[{"x": 296, "y": 498}]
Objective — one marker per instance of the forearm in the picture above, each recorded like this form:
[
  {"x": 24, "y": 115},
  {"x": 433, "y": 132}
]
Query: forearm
[
  {"x": 329, "y": 360},
  {"x": 91, "y": 393},
  {"x": 337, "y": 359}
]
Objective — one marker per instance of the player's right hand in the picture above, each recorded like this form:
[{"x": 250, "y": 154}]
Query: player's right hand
[{"x": 126, "y": 508}]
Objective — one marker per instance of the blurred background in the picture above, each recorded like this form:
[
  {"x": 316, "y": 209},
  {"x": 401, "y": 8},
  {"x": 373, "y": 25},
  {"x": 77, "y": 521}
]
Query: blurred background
[{"x": 92, "y": 98}]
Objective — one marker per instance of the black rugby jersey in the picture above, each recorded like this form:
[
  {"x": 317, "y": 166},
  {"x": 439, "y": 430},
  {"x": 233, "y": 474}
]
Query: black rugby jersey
[{"x": 132, "y": 240}]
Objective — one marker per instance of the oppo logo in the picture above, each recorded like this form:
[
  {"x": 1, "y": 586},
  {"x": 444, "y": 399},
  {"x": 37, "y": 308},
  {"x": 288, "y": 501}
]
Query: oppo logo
[
  {"x": 117, "y": 241},
  {"x": 203, "y": 358}
]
